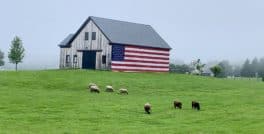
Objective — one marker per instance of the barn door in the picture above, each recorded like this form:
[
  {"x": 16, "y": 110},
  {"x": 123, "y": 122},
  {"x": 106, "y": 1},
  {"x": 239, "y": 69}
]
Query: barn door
[{"x": 89, "y": 59}]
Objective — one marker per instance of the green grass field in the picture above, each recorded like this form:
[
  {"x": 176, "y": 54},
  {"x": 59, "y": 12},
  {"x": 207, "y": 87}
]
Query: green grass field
[{"x": 57, "y": 101}]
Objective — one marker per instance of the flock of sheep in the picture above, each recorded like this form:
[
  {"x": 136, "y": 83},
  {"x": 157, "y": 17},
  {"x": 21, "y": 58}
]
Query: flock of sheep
[
  {"x": 147, "y": 107},
  {"x": 94, "y": 88}
]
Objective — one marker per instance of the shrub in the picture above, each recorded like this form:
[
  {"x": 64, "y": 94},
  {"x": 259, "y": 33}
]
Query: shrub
[{"x": 216, "y": 70}]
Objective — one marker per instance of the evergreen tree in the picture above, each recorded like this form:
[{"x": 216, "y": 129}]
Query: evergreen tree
[
  {"x": 261, "y": 67},
  {"x": 254, "y": 67},
  {"x": 236, "y": 71},
  {"x": 1, "y": 58},
  {"x": 245, "y": 71},
  {"x": 17, "y": 50}
]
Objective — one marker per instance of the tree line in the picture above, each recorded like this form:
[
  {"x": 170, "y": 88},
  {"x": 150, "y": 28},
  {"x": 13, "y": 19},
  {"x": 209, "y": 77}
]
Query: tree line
[
  {"x": 254, "y": 68},
  {"x": 15, "y": 54}
]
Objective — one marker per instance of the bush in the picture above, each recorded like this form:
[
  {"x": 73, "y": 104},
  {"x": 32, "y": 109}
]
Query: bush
[
  {"x": 216, "y": 70},
  {"x": 180, "y": 68},
  {"x": 263, "y": 79}
]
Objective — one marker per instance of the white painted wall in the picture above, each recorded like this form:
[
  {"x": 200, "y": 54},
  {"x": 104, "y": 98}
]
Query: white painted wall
[{"x": 79, "y": 43}]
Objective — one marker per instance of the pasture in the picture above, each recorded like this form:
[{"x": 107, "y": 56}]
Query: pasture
[{"x": 57, "y": 101}]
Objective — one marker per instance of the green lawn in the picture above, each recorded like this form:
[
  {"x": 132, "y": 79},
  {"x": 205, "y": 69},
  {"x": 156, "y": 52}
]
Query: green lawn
[{"x": 57, "y": 101}]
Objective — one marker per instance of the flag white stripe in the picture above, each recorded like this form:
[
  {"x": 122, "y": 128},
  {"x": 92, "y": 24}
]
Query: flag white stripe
[
  {"x": 138, "y": 59},
  {"x": 147, "y": 50},
  {"x": 144, "y": 59},
  {"x": 140, "y": 63},
  {"x": 149, "y": 55}
]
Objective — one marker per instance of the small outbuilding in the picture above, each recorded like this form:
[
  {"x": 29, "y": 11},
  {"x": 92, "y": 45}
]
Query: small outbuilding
[{"x": 115, "y": 45}]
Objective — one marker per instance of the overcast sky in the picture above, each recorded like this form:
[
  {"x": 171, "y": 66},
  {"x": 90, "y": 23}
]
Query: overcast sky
[{"x": 206, "y": 29}]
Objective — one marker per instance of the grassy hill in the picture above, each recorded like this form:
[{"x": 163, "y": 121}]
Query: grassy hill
[{"x": 57, "y": 101}]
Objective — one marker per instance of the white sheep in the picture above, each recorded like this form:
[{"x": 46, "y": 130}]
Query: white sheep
[
  {"x": 109, "y": 89},
  {"x": 123, "y": 91},
  {"x": 91, "y": 84},
  {"x": 94, "y": 89},
  {"x": 147, "y": 108}
]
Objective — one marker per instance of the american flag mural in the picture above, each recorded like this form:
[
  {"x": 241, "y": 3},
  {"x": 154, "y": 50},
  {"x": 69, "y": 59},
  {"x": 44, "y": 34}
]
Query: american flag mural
[{"x": 128, "y": 58}]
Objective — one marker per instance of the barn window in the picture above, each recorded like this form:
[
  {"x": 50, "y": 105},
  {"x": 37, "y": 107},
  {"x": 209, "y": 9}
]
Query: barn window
[
  {"x": 75, "y": 58},
  {"x": 104, "y": 59},
  {"x": 86, "y": 36},
  {"x": 93, "y": 35},
  {"x": 68, "y": 60}
]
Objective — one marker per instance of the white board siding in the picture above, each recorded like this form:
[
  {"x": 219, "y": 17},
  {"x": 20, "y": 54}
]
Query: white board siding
[{"x": 79, "y": 43}]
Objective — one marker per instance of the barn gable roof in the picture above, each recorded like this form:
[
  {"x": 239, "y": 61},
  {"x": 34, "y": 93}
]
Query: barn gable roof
[
  {"x": 121, "y": 32},
  {"x": 66, "y": 40}
]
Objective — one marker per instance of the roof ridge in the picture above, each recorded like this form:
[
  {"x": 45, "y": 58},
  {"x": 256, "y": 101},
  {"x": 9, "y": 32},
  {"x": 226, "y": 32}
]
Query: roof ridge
[
  {"x": 124, "y": 32},
  {"x": 119, "y": 20}
]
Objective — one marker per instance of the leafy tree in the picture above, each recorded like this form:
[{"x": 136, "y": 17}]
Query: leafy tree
[
  {"x": 1, "y": 58},
  {"x": 17, "y": 50},
  {"x": 198, "y": 67},
  {"x": 216, "y": 70},
  {"x": 226, "y": 69}
]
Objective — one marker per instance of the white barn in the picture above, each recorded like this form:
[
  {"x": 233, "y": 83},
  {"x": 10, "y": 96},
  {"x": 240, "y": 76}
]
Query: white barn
[{"x": 108, "y": 44}]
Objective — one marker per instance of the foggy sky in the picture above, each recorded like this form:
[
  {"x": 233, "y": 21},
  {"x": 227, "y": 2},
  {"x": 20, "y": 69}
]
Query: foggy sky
[{"x": 205, "y": 29}]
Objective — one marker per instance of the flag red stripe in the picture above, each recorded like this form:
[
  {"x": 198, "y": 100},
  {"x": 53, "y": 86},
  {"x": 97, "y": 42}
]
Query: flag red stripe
[
  {"x": 148, "y": 55},
  {"x": 136, "y": 70},
  {"x": 149, "y": 48},
  {"x": 158, "y": 62},
  {"x": 143, "y": 59}
]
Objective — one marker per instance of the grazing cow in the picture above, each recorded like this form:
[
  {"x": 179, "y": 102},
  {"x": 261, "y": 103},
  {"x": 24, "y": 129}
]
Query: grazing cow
[
  {"x": 94, "y": 89},
  {"x": 147, "y": 108},
  {"x": 195, "y": 105},
  {"x": 177, "y": 104}
]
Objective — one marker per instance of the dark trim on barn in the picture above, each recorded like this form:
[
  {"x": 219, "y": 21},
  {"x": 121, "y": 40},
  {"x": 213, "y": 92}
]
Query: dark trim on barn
[
  {"x": 84, "y": 50},
  {"x": 89, "y": 59},
  {"x": 138, "y": 46}
]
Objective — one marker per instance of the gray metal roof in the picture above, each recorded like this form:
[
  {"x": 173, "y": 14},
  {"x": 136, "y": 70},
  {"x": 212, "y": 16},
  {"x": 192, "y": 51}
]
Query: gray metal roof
[
  {"x": 126, "y": 33},
  {"x": 66, "y": 40},
  {"x": 130, "y": 33}
]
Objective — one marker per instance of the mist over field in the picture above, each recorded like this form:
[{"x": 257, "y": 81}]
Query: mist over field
[{"x": 209, "y": 30}]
